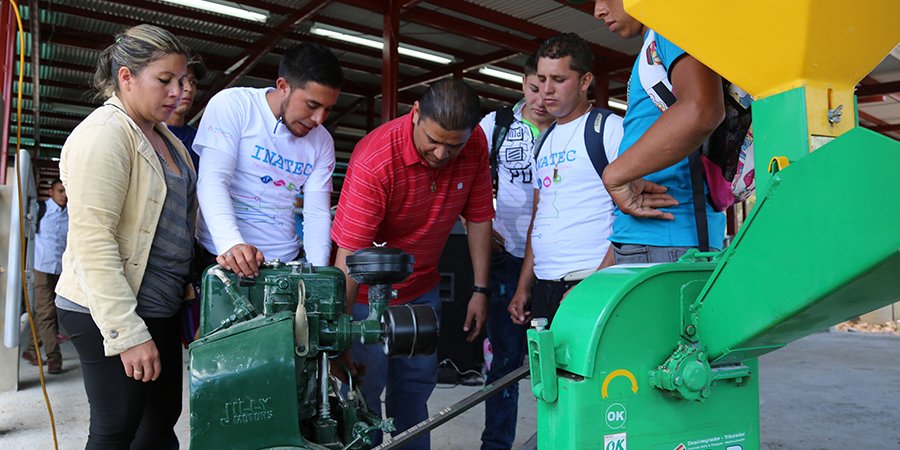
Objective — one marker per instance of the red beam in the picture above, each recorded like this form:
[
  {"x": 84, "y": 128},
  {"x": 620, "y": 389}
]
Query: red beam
[
  {"x": 587, "y": 7},
  {"x": 514, "y": 23},
  {"x": 870, "y": 118},
  {"x": 453, "y": 25},
  {"x": 891, "y": 87},
  {"x": 871, "y": 99},
  {"x": 601, "y": 85},
  {"x": 408, "y": 5},
  {"x": 887, "y": 128},
  {"x": 390, "y": 62},
  {"x": 7, "y": 51}
]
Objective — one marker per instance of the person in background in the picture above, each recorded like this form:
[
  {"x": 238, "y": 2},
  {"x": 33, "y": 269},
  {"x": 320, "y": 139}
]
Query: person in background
[
  {"x": 49, "y": 244},
  {"x": 177, "y": 123},
  {"x": 513, "y": 171},
  {"x": 131, "y": 188}
]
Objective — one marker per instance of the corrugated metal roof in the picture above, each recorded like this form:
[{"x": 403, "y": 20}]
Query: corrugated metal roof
[
  {"x": 522, "y": 9},
  {"x": 73, "y": 31}
]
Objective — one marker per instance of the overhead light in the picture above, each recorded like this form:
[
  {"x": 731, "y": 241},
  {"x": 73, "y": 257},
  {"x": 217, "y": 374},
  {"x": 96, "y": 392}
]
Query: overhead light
[
  {"x": 225, "y": 8},
  {"x": 374, "y": 42},
  {"x": 501, "y": 74},
  {"x": 423, "y": 55},
  {"x": 617, "y": 105}
]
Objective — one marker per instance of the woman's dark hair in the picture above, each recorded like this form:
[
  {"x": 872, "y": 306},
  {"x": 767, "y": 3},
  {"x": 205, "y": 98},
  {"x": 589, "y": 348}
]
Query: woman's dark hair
[{"x": 135, "y": 48}]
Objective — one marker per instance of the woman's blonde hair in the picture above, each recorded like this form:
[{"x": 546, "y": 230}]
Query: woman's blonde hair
[{"x": 134, "y": 48}]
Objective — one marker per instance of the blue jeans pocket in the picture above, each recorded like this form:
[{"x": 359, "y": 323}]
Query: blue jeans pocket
[
  {"x": 498, "y": 259},
  {"x": 630, "y": 254}
]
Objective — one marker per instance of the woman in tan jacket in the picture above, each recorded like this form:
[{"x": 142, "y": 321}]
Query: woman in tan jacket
[{"x": 132, "y": 205}]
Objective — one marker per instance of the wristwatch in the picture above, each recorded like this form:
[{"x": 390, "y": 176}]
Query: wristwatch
[{"x": 482, "y": 290}]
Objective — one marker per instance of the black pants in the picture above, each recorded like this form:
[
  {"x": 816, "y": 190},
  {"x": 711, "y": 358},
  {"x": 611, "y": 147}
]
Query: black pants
[
  {"x": 126, "y": 413},
  {"x": 546, "y": 295}
]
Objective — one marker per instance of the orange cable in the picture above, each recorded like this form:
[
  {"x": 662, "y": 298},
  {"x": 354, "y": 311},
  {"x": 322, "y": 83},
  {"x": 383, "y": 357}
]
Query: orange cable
[{"x": 21, "y": 212}]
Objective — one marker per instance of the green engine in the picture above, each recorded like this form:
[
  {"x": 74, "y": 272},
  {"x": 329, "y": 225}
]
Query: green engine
[{"x": 259, "y": 374}]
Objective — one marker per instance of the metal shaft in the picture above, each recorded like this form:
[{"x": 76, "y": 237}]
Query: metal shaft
[
  {"x": 454, "y": 410},
  {"x": 324, "y": 407}
]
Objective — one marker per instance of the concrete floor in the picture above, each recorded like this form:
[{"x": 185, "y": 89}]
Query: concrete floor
[{"x": 827, "y": 391}]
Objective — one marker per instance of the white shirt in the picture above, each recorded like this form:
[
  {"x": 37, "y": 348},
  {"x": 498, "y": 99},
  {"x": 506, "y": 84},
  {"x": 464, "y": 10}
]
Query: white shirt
[
  {"x": 515, "y": 194},
  {"x": 50, "y": 243},
  {"x": 251, "y": 169},
  {"x": 574, "y": 214}
]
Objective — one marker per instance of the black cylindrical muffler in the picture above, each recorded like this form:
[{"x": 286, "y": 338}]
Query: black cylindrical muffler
[{"x": 409, "y": 330}]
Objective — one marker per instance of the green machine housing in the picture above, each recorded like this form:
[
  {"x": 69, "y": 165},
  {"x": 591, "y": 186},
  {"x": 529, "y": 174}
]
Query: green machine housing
[
  {"x": 664, "y": 356},
  {"x": 259, "y": 374}
]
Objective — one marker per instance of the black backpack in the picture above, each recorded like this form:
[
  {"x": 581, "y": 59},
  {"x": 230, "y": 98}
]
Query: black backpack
[{"x": 503, "y": 119}]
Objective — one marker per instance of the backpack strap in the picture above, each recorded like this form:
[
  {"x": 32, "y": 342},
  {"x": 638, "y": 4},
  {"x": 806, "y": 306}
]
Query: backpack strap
[
  {"x": 655, "y": 81},
  {"x": 654, "y": 75},
  {"x": 540, "y": 143},
  {"x": 697, "y": 180},
  {"x": 42, "y": 209},
  {"x": 593, "y": 138},
  {"x": 503, "y": 118}
]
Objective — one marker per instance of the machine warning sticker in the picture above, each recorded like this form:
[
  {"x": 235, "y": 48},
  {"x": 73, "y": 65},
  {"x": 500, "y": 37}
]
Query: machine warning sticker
[
  {"x": 616, "y": 416},
  {"x": 615, "y": 441},
  {"x": 730, "y": 441}
]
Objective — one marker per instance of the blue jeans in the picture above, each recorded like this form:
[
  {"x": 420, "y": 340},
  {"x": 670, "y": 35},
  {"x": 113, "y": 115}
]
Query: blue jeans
[
  {"x": 642, "y": 254},
  {"x": 407, "y": 382},
  {"x": 508, "y": 344}
]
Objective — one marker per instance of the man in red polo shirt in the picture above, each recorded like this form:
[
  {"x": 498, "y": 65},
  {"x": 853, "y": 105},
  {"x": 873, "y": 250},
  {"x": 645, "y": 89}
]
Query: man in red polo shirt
[{"x": 407, "y": 183}]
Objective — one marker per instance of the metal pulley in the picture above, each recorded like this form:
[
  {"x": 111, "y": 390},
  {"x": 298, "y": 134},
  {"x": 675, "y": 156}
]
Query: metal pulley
[{"x": 409, "y": 330}]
